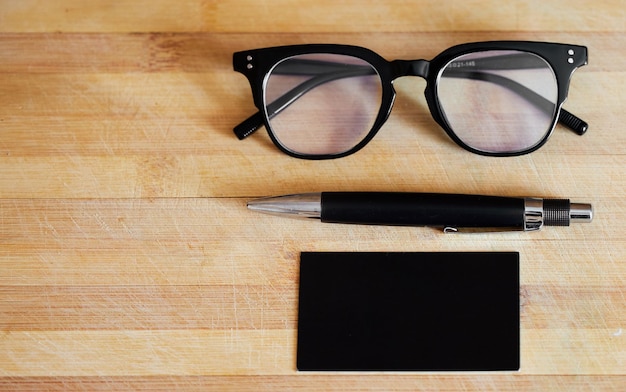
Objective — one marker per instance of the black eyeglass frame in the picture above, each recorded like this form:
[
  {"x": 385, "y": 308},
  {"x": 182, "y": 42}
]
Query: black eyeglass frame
[{"x": 257, "y": 64}]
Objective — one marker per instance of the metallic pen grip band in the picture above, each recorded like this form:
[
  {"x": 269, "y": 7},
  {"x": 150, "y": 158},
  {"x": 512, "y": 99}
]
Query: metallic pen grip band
[{"x": 556, "y": 212}]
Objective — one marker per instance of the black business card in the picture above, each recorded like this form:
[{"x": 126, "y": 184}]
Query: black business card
[{"x": 444, "y": 311}]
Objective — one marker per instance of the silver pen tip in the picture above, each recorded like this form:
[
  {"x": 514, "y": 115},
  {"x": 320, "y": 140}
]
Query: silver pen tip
[{"x": 305, "y": 205}]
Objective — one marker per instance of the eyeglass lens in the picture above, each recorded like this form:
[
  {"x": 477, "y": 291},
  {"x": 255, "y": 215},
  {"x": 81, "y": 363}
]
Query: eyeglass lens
[
  {"x": 498, "y": 101},
  {"x": 322, "y": 104}
]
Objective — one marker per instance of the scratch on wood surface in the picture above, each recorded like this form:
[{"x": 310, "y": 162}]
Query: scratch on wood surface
[
  {"x": 102, "y": 223},
  {"x": 46, "y": 227},
  {"x": 235, "y": 308}
]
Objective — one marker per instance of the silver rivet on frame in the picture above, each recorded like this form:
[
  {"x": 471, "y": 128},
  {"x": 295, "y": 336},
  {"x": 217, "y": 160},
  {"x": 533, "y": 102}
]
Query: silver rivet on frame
[{"x": 571, "y": 53}]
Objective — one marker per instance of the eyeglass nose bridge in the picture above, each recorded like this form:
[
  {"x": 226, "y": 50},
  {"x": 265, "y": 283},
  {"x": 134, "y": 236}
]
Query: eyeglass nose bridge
[{"x": 410, "y": 68}]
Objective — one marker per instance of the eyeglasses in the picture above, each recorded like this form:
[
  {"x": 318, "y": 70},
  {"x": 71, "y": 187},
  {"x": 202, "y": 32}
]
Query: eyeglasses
[{"x": 498, "y": 98}]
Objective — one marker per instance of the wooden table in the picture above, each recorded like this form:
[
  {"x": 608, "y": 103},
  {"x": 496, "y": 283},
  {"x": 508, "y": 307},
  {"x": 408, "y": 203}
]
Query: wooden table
[{"x": 129, "y": 261}]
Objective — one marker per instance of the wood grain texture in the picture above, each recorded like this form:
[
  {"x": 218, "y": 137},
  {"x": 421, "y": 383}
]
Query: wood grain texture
[
  {"x": 128, "y": 260},
  {"x": 311, "y": 17}
]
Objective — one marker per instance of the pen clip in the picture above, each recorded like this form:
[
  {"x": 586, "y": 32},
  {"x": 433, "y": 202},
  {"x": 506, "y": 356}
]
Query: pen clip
[{"x": 478, "y": 230}]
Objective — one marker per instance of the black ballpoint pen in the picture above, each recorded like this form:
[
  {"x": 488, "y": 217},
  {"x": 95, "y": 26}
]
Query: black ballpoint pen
[{"x": 452, "y": 212}]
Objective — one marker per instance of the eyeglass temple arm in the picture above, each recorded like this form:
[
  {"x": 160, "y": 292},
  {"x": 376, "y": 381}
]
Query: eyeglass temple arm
[
  {"x": 566, "y": 118},
  {"x": 328, "y": 71}
]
